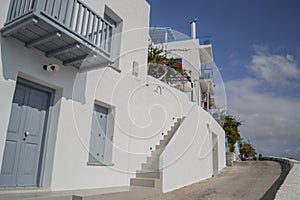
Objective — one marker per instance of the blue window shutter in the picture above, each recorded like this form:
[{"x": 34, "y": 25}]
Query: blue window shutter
[{"x": 98, "y": 134}]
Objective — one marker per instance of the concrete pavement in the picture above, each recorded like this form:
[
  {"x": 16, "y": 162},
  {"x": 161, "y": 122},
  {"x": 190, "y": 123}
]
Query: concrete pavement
[{"x": 245, "y": 180}]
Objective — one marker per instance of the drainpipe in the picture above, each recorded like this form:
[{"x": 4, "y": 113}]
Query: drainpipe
[
  {"x": 166, "y": 35},
  {"x": 207, "y": 100},
  {"x": 193, "y": 28}
]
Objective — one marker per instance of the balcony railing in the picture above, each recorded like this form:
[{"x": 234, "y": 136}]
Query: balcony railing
[
  {"x": 206, "y": 73},
  {"x": 160, "y": 35},
  {"x": 205, "y": 40},
  {"x": 170, "y": 76},
  {"x": 66, "y": 29},
  {"x": 215, "y": 112}
]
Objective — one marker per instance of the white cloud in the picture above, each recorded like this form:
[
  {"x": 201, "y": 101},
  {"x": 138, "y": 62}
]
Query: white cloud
[
  {"x": 234, "y": 58},
  {"x": 278, "y": 70},
  {"x": 271, "y": 122}
]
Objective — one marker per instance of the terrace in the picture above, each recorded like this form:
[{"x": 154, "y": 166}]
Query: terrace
[
  {"x": 216, "y": 114},
  {"x": 170, "y": 76},
  {"x": 206, "y": 79},
  {"x": 205, "y": 40}
]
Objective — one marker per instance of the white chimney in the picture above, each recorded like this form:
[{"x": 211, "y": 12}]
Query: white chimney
[{"x": 193, "y": 28}]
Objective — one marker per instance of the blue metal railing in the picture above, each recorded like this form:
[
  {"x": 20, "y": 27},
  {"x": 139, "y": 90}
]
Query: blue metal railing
[
  {"x": 215, "y": 112},
  {"x": 206, "y": 73},
  {"x": 205, "y": 40},
  {"x": 226, "y": 144}
]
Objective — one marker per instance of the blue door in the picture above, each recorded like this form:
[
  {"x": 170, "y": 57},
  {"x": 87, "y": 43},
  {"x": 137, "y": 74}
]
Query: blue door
[{"x": 25, "y": 135}]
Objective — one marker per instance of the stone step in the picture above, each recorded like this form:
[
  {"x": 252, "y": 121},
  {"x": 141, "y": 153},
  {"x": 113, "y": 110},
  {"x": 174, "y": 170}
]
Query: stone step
[
  {"x": 180, "y": 119},
  {"x": 135, "y": 193},
  {"x": 144, "y": 182},
  {"x": 148, "y": 174},
  {"x": 152, "y": 159},
  {"x": 150, "y": 167},
  {"x": 167, "y": 138},
  {"x": 175, "y": 127},
  {"x": 159, "y": 146},
  {"x": 145, "y": 191},
  {"x": 156, "y": 153}
]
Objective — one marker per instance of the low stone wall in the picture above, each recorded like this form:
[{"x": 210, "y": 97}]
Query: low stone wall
[
  {"x": 287, "y": 161},
  {"x": 290, "y": 189},
  {"x": 287, "y": 186}
]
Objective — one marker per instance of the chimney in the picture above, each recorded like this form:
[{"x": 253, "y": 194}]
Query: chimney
[{"x": 193, "y": 28}]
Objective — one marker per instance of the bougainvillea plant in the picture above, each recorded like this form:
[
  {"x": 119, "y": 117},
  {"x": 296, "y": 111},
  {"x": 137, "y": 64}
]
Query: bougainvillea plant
[{"x": 159, "y": 56}]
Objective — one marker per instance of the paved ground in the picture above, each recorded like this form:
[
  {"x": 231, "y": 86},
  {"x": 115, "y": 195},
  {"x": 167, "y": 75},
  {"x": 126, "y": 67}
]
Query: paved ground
[{"x": 245, "y": 180}]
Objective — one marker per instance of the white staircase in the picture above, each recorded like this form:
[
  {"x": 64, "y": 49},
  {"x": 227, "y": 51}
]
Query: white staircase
[{"x": 150, "y": 176}]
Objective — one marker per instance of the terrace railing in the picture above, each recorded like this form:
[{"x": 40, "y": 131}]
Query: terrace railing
[
  {"x": 206, "y": 73},
  {"x": 205, "y": 40},
  {"x": 170, "y": 76},
  {"x": 215, "y": 112}
]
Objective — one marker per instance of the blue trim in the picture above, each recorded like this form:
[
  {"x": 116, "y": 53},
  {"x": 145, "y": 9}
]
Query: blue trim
[{"x": 226, "y": 144}]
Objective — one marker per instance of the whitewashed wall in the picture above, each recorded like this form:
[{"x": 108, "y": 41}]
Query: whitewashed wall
[
  {"x": 67, "y": 148},
  {"x": 141, "y": 113},
  {"x": 188, "y": 157}
]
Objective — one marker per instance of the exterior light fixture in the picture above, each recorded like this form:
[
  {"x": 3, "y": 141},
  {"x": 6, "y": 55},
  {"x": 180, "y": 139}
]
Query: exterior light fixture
[{"x": 53, "y": 68}]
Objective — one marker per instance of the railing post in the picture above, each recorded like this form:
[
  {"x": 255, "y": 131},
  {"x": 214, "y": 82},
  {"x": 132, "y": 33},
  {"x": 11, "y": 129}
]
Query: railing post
[
  {"x": 10, "y": 10},
  {"x": 111, "y": 53},
  {"x": 166, "y": 35},
  {"x": 40, "y": 5}
]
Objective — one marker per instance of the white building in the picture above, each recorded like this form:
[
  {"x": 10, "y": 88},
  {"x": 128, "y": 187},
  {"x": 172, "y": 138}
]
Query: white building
[{"x": 78, "y": 110}]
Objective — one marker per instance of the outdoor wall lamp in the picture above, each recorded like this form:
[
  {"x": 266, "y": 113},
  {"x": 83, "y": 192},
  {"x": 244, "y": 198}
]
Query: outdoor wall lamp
[{"x": 51, "y": 68}]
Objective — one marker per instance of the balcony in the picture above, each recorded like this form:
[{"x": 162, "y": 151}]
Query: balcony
[
  {"x": 206, "y": 73},
  {"x": 170, "y": 76},
  {"x": 205, "y": 40},
  {"x": 206, "y": 54},
  {"x": 216, "y": 114},
  {"x": 64, "y": 29},
  {"x": 161, "y": 35},
  {"x": 206, "y": 79}
]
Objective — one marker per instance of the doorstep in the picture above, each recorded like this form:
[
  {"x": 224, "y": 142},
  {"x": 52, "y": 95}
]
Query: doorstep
[{"x": 44, "y": 194}]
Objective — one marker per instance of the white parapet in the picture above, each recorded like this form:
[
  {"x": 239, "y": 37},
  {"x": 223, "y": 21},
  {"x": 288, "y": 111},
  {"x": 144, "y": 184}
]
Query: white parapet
[{"x": 290, "y": 189}]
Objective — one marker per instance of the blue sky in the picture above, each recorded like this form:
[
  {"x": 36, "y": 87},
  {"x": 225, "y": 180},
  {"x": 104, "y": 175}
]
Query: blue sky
[{"x": 257, "y": 50}]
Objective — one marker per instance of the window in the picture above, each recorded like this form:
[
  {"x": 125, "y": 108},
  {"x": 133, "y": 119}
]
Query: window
[
  {"x": 111, "y": 17},
  {"x": 110, "y": 20},
  {"x": 101, "y": 138}
]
